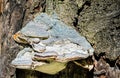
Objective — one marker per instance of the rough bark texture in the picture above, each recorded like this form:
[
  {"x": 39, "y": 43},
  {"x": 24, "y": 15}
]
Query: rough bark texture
[
  {"x": 11, "y": 22},
  {"x": 97, "y": 20}
]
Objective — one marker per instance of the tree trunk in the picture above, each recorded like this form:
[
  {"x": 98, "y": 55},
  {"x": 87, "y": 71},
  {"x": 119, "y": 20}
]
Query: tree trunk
[
  {"x": 11, "y": 21},
  {"x": 97, "y": 20}
]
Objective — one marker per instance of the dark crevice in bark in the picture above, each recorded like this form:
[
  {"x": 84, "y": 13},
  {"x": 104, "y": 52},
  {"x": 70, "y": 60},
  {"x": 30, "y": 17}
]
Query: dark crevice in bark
[
  {"x": 103, "y": 55},
  {"x": 99, "y": 56},
  {"x": 75, "y": 22},
  {"x": 87, "y": 3},
  {"x": 105, "y": 68},
  {"x": 111, "y": 63},
  {"x": 43, "y": 5}
]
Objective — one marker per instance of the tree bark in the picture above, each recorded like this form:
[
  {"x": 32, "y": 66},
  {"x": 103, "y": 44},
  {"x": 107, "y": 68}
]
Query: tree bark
[
  {"x": 11, "y": 20},
  {"x": 97, "y": 20}
]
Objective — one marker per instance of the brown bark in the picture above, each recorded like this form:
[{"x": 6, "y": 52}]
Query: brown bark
[
  {"x": 97, "y": 20},
  {"x": 11, "y": 19}
]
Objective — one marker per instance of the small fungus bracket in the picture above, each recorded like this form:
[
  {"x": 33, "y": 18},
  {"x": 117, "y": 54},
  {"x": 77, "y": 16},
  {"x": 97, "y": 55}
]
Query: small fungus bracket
[{"x": 52, "y": 45}]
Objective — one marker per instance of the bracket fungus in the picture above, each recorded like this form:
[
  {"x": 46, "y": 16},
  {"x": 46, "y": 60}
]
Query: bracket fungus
[{"x": 52, "y": 44}]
